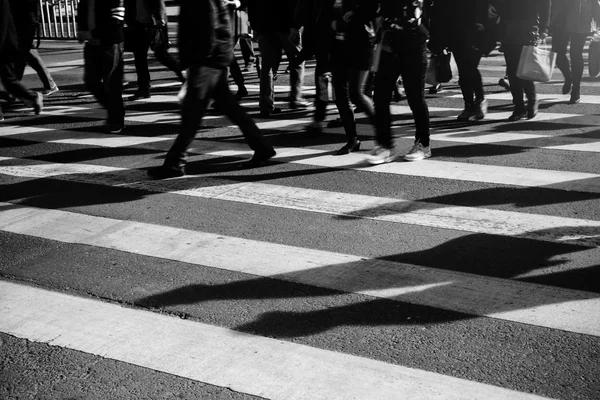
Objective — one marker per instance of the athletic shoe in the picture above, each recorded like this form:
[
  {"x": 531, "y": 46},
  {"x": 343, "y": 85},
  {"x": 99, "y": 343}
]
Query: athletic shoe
[
  {"x": 418, "y": 152},
  {"x": 467, "y": 113},
  {"x": 380, "y": 155},
  {"x": 481, "y": 108},
  {"x": 165, "y": 172},
  {"x": 48, "y": 92}
]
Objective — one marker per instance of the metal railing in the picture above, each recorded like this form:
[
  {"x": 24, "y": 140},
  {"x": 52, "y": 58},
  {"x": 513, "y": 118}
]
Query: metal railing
[{"x": 57, "y": 19}]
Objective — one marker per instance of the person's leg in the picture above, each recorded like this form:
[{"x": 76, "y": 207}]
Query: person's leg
[
  {"x": 37, "y": 64},
  {"x": 413, "y": 71},
  {"x": 560, "y": 42},
  {"x": 201, "y": 83},
  {"x": 577, "y": 45},
  {"x": 296, "y": 69},
  {"x": 13, "y": 86},
  {"x": 270, "y": 52},
  {"x": 340, "y": 75},
  {"x": 358, "y": 96},
  {"x": 512, "y": 53},
  {"x": 247, "y": 50},
  {"x": 238, "y": 116},
  {"x": 385, "y": 79},
  {"x": 113, "y": 85},
  {"x": 161, "y": 53},
  {"x": 92, "y": 72},
  {"x": 238, "y": 77},
  {"x": 141, "y": 45}
]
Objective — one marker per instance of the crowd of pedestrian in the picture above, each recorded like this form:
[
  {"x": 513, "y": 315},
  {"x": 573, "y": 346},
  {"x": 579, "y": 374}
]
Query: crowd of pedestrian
[{"x": 363, "y": 48}]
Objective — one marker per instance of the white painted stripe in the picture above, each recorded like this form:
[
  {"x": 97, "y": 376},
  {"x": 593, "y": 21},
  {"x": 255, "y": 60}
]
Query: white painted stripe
[
  {"x": 589, "y": 147},
  {"x": 256, "y": 365},
  {"x": 466, "y": 219},
  {"x": 546, "y": 98},
  {"x": 524, "y": 177},
  {"x": 568, "y": 310}
]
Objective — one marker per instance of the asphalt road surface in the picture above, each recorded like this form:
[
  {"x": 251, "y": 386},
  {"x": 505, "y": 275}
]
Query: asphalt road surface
[{"x": 471, "y": 275}]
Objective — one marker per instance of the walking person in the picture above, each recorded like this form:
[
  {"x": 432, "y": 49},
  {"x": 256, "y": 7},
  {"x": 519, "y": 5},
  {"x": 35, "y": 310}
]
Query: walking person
[
  {"x": 351, "y": 59},
  {"x": 571, "y": 22},
  {"x": 239, "y": 29},
  {"x": 100, "y": 26},
  {"x": 26, "y": 16},
  {"x": 10, "y": 54},
  {"x": 272, "y": 22},
  {"x": 143, "y": 18},
  {"x": 403, "y": 53},
  {"x": 457, "y": 25},
  {"x": 523, "y": 23},
  {"x": 205, "y": 48}
]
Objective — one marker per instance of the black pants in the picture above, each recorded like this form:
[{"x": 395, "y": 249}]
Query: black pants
[
  {"x": 13, "y": 85},
  {"x": 411, "y": 65},
  {"x": 205, "y": 83},
  {"x": 103, "y": 76},
  {"x": 471, "y": 85},
  {"x": 518, "y": 86},
  {"x": 140, "y": 55},
  {"x": 352, "y": 82},
  {"x": 572, "y": 71}
]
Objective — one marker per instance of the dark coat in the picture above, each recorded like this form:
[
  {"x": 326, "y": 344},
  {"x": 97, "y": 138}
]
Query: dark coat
[
  {"x": 269, "y": 16},
  {"x": 205, "y": 37},
  {"x": 453, "y": 23},
  {"x": 9, "y": 45},
  {"x": 402, "y": 29},
  {"x": 522, "y": 21},
  {"x": 109, "y": 17}
]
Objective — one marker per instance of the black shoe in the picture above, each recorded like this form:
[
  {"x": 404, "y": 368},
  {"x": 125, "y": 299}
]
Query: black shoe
[
  {"x": 116, "y": 128},
  {"x": 532, "y": 109},
  {"x": 258, "y": 160},
  {"x": 267, "y": 114},
  {"x": 241, "y": 93},
  {"x": 336, "y": 123},
  {"x": 140, "y": 94},
  {"x": 517, "y": 115},
  {"x": 575, "y": 97},
  {"x": 435, "y": 89},
  {"x": 165, "y": 172},
  {"x": 353, "y": 145},
  {"x": 566, "y": 89},
  {"x": 504, "y": 82}
]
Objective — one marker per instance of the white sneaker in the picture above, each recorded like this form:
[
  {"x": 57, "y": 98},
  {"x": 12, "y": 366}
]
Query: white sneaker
[
  {"x": 380, "y": 155},
  {"x": 418, "y": 152}
]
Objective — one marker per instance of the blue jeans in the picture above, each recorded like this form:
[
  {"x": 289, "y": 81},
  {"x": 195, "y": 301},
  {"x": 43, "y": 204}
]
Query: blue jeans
[
  {"x": 205, "y": 83},
  {"x": 271, "y": 45},
  {"x": 103, "y": 76}
]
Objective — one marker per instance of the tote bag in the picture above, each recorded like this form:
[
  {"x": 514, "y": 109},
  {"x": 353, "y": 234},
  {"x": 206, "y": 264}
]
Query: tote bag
[
  {"x": 536, "y": 64},
  {"x": 439, "y": 69}
]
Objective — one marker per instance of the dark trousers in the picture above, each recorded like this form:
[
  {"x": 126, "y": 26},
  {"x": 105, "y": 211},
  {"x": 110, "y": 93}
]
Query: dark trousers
[
  {"x": 205, "y": 83},
  {"x": 13, "y": 85},
  {"x": 518, "y": 86},
  {"x": 271, "y": 45},
  {"x": 247, "y": 49},
  {"x": 471, "y": 84},
  {"x": 140, "y": 55},
  {"x": 103, "y": 76},
  {"x": 572, "y": 71},
  {"x": 32, "y": 58},
  {"x": 411, "y": 65},
  {"x": 349, "y": 86}
]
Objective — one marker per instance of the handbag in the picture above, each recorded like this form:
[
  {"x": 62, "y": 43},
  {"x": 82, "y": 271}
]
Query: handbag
[
  {"x": 158, "y": 36},
  {"x": 536, "y": 64},
  {"x": 439, "y": 69}
]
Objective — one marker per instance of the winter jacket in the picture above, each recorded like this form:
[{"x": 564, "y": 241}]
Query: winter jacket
[
  {"x": 103, "y": 23},
  {"x": 9, "y": 45},
  {"x": 402, "y": 24},
  {"x": 145, "y": 11},
  {"x": 354, "y": 38},
  {"x": 205, "y": 37},
  {"x": 453, "y": 23},
  {"x": 523, "y": 20},
  {"x": 26, "y": 16},
  {"x": 270, "y": 16},
  {"x": 580, "y": 15}
]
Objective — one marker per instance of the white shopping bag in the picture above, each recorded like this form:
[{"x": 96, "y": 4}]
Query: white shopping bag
[{"x": 536, "y": 64}]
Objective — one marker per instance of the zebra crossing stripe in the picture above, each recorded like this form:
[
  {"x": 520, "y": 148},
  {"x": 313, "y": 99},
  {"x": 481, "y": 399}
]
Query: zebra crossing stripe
[
  {"x": 397, "y": 210},
  {"x": 251, "y": 364},
  {"x": 509, "y": 300},
  {"x": 544, "y": 97}
]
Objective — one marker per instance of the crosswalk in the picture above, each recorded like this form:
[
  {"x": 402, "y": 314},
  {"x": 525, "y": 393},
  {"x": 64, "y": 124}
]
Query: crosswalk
[{"x": 470, "y": 275}]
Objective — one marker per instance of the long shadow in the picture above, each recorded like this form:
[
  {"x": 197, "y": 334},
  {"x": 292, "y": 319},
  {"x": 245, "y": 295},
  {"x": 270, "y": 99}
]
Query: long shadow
[{"x": 476, "y": 254}]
